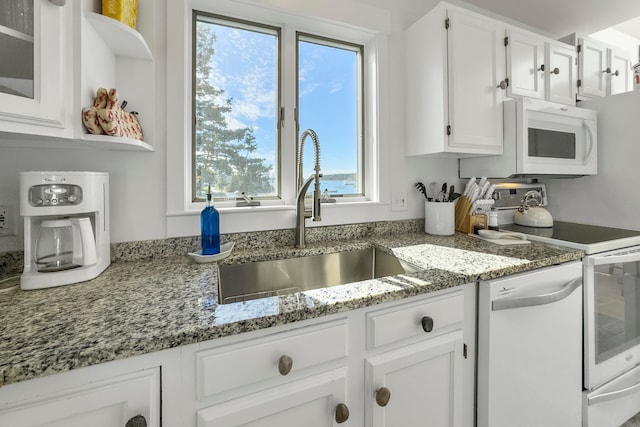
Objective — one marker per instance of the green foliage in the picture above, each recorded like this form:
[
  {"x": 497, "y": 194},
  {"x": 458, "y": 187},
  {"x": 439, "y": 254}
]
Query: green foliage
[{"x": 224, "y": 157}]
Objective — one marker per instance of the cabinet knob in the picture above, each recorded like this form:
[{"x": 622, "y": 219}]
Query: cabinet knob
[
  {"x": 554, "y": 71},
  {"x": 616, "y": 73},
  {"x": 382, "y": 396},
  {"x": 427, "y": 323},
  {"x": 285, "y": 364},
  {"x": 608, "y": 70},
  {"x": 342, "y": 413},
  {"x": 137, "y": 421},
  {"x": 503, "y": 84}
]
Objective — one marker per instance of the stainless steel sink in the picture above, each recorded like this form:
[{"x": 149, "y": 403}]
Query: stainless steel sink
[{"x": 253, "y": 280}]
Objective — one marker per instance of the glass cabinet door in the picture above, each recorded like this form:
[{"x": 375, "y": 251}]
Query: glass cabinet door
[
  {"x": 16, "y": 47},
  {"x": 35, "y": 66}
]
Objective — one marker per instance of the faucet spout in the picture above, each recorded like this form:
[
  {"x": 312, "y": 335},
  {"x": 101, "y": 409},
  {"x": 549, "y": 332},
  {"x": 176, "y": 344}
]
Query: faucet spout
[{"x": 303, "y": 187}]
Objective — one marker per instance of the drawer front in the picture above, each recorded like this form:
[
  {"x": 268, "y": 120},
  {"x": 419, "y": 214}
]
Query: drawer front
[
  {"x": 439, "y": 314},
  {"x": 262, "y": 360}
]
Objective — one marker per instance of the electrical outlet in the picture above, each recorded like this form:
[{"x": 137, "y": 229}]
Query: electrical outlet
[
  {"x": 7, "y": 221},
  {"x": 399, "y": 201}
]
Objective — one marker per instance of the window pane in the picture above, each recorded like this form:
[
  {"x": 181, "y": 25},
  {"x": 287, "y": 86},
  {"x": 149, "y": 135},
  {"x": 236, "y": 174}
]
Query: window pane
[
  {"x": 235, "y": 136},
  {"x": 329, "y": 102}
]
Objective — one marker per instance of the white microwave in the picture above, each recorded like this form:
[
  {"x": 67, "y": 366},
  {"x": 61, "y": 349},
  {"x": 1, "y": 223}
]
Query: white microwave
[{"x": 540, "y": 139}]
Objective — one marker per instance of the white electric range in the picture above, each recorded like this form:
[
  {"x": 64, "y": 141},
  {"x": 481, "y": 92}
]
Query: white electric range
[{"x": 611, "y": 307}]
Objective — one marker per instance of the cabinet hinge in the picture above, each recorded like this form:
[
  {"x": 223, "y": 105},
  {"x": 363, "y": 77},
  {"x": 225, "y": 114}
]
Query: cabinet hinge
[
  {"x": 464, "y": 350},
  {"x": 506, "y": 41},
  {"x": 579, "y": 48},
  {"x": 448, "y": 129},
  {"x": 446, "y": 23},
  {"x": 579, "y": 82}
]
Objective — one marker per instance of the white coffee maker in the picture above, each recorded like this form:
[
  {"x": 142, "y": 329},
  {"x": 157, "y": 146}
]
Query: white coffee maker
[{"x": 66, "y": 227}]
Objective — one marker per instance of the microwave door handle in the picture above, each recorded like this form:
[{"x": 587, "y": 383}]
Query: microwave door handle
[
  {"x": 591, "y": 139},
  {"x": 548, "y": 298}
]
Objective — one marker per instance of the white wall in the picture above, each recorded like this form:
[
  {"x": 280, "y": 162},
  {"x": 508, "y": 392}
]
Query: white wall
[
  {"x": 138, "y": 180},
  {"x": 611, "y": 198}
]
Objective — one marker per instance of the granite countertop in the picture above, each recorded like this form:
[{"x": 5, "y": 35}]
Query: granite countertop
[{"x": 138, "y": 307}]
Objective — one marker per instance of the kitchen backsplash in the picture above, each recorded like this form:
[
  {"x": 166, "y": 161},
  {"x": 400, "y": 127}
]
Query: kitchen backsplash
[{"x": 11, "y": 263}]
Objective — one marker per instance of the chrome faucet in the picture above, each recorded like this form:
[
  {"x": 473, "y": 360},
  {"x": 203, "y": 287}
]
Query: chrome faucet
[{"x": 302, "y": 187}]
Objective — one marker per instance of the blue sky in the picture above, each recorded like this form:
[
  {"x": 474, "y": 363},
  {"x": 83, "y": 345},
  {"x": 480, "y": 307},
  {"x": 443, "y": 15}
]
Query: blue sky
[{"x": 245, "y": 68}]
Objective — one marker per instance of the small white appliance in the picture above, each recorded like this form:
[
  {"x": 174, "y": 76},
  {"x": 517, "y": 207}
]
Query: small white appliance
[
  {"x": 541, "y": 139},
  {"x": 66, "y": 227}
]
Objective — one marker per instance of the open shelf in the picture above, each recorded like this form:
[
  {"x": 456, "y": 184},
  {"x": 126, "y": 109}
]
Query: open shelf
[
  {"x": 122, "y": 39},
  {"x": 107, "y": 142}
]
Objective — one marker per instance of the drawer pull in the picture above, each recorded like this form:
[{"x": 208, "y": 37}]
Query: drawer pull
[
  {"x": 382, "y": 396},
  {"x": 342, "y": 413},
  {"x": 285, "y": 364},
  {"x": 427, "y": 323},
  {"x": 137, "y": 421}
]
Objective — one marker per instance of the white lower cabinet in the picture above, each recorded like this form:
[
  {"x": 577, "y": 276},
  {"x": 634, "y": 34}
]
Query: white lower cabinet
[
  {"x": 113, "y": 401},
  {"x": 316, "y": 401},
  {"x": 418, "y": 352},
  {"x": 415, "y": 363},
  {"x": 417, "y": 385}
]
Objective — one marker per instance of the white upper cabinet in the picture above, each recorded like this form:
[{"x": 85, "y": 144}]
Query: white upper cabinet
[
  {"x": 603, "y": 70},
  {"x": 525, "y": 64},
  {"x": 562, "y": 73},
  {"x": 540, "y": 68},
  {"x": 35, "y": 70},
  {"x": 54, "y": 60},
  {"x": 454, "y": 64},
  {"x": 621, "y": 76}
]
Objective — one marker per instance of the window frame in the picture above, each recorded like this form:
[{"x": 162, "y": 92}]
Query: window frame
[
  {"x": 361, "y": 112},
  {"x": 358, "y": 22},
  {"x": 222, "y": 20}
]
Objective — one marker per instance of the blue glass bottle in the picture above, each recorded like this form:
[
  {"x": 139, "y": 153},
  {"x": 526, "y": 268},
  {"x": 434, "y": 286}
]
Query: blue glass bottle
[{"x": 210, "y": 228}]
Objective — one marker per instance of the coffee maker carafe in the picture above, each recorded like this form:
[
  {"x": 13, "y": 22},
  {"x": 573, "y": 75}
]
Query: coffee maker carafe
[
  {"x": 66, "y": 227},
  {"x": 63, "y": 244}
]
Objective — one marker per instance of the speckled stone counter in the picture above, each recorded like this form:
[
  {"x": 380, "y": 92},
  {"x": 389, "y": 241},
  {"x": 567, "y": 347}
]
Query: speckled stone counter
[{"x": 137, "y": 307}]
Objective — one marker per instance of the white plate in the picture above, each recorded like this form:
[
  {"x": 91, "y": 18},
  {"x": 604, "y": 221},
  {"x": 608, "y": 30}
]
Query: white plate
[{"x": 225, "y": 251}]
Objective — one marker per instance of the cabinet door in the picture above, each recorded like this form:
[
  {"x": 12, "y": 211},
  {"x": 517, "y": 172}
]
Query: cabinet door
[
  {"x": 475, "y": 69},
  {"x": 424, "y": 382},
  {"x": 592, "y": 66},
  {"x": 620, "y": 76},
  {"x": 525, "y": 57},
  {"x": 561, "y": 74},
  {"x": 104, "y": 404},
  {"x": 33, "y": 65},
  {"x": 311, "y": 402}
]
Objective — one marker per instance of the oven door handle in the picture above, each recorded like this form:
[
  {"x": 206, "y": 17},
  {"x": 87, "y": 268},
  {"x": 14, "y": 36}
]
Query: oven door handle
[
  {"x": 614, "y": 259},
  {"x": 529, "y": 301},
  {"x": 613, "y": 394}
]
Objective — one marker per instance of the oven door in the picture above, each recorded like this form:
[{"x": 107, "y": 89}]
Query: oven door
[{"x": 611, "y": 315}]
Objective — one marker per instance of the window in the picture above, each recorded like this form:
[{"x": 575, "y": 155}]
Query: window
[
  {"x": 330, "y": 102},
  {"x": 235, "y": 100},
  {"x": 239, "y": 105}
]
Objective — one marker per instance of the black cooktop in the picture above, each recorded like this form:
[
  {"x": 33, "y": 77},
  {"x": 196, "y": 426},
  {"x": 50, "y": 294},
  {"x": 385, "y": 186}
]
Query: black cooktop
[{"x": 572, "y": 232}]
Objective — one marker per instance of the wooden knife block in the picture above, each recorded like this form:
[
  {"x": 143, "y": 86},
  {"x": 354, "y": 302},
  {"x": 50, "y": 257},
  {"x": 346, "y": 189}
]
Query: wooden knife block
[{"x": 465, "y": 222}]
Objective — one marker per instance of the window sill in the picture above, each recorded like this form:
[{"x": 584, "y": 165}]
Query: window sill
[{"x": 261, "y": 218}]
